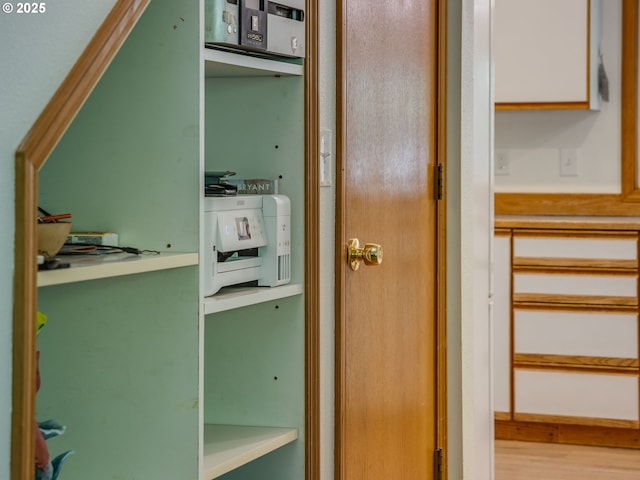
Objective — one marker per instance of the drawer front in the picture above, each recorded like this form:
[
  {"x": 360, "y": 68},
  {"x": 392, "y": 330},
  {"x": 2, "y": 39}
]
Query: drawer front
[
  {"x": 502, "y": 324},
  {"x": 623, "y": 285},
  {"x": 582, "y": 248},
  {"x": 569, "y": 394},
  {"x": 598, "y": 334}
]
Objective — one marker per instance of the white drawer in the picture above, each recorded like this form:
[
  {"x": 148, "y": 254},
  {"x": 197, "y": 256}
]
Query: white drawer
[
  {"x": 576, "y": 394},
  {"x": 566, "y": 284},
  {"x": 583, "y": 248},
  {"x": 596, "y": 334}
]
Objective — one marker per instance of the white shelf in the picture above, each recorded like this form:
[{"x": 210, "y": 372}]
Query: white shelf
[
  {"x": 227, "y": 447},
  {"x": 229, "y": 298},
  {"x": 91, "y": 267},
  {"x": 220, "y": 63}
]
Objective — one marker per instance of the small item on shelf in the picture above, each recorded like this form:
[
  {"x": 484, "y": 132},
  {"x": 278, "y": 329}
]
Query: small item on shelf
[
  {"x": 91, "y": 249},
  {"x": 46, "y": 469},
  {"x": 41, "y": 321},
  {"x": 255, "y": 186},
  {"x": 53, "y": 218},
  {"x": 94, "y": 238},
  {"x": 53, "y": 264},
  {"x": 216, "y": 184},
  {"x": 51, "y": 232},
  {"x": 51, "y": 237},
  {"x": 47, "y": 217},
  {"x": 84, "y": 249},
  {"x": 52, "y": 469},
  {"x": 219, "y": 190},
  {"x": 246, "y": 28}
]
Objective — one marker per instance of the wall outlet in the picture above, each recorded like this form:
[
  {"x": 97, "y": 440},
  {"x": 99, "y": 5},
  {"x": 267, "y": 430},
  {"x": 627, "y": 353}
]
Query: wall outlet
[
  {"x": 568, "y": 162},
  {"x": 501, "y": 162}
]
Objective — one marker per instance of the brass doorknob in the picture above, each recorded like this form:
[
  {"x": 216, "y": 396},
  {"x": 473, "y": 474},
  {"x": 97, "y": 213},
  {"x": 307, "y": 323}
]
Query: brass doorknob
[{"x": 370, "y": 254}]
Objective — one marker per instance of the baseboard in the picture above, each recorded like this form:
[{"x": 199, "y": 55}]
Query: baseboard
[{"x": 562, "y": 433}]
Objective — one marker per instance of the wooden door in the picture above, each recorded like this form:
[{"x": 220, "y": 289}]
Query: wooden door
[{"x": 386, "y": 314}]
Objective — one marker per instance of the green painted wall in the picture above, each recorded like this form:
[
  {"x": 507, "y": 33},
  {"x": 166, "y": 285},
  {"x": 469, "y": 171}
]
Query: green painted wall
[
  {"x": 119, "y": 367},
  {"x": 129, "y": 162},
  {"x": 120, "y": 356},
  {"x": 254, "y": 375},
  {"x": 31, "y": 72},
  {"x": 254, "y": 356},
  {"x": 255, "y": 127}
]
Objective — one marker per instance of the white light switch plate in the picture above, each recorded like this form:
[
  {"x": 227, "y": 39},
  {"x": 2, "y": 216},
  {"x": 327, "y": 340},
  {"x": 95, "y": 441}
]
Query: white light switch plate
[
  {"x": 568, "y": 162},
  {"x": 326, "y": 158},
  {"x": 501, "y": 162}
]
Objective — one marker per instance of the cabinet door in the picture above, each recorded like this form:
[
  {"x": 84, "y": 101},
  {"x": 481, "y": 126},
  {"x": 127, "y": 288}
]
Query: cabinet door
[{"x": 541, "y": 52}]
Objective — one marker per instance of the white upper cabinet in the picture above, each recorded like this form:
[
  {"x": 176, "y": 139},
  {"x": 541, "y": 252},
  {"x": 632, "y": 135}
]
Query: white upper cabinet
[{"x": 546, "y": 53}]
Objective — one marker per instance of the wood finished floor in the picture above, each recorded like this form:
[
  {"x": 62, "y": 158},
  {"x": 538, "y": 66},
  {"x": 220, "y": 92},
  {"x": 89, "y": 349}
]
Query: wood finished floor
[{"x": 547, "y": 461}]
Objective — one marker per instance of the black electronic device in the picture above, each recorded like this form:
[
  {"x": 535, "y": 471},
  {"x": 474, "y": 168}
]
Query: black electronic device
[{"x": 256, "y": 26}]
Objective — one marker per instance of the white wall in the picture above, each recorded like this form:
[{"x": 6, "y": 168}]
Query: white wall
[
  {"x": 327, "y": 91},
  {"x": 469, "y": 230},
  {"x": 533, "y": 139},
  {"x": 37, "y": 52}
]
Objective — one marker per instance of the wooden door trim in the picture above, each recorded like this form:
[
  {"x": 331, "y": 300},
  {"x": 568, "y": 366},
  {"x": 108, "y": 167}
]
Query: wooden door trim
[
  {"x": 340, "y": 253},
  {"x": 441, "y": 424},
  {"x": 31, "y": 155},
  {"x": 312, "y": 245},
  {"x": 441, "y": 242}
]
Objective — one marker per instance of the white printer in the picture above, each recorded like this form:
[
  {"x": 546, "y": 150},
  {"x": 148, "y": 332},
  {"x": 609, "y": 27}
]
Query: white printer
[{"x": 247, "y": 238}]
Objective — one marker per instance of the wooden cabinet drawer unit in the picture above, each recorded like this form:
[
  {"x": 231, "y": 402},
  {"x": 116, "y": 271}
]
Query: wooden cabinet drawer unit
[
  {"x": 576, "y": 398},
  {"x": 572, "y": 329}
]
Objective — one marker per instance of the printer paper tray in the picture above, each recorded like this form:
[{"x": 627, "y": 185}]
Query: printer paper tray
[{"x": 238, "y": 264}]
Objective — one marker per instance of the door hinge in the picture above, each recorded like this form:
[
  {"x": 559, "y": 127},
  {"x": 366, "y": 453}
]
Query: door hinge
[
  {"x": 437, "y": 464},
  {"x": 439, "y": 181}
]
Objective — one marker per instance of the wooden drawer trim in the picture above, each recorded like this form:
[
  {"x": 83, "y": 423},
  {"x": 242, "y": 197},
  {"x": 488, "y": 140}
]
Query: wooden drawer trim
[
  {"x": 502, "y": 415},
  {"x": 502, "y": 232},
  {"x": 577, "y": 308},
  {"x": 548, "y": 300},
  {"x": 581, "y": 234},
  {"x": 572, "y": 265},
  {"x": 569, "y": 420},
  {"x": 566, "y": 225},
  {"x": 562, "y": 433},
  {"x": 581, "y": 363},
  {"x": 542, "y": 106}
]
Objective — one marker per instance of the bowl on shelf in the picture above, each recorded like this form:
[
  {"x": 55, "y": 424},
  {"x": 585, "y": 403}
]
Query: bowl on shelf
[{"x": 51, "y": 237}]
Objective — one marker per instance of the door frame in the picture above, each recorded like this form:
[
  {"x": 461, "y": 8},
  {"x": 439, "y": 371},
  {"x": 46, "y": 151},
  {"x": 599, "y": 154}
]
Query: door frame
[{"x": 440, "y": 241}]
